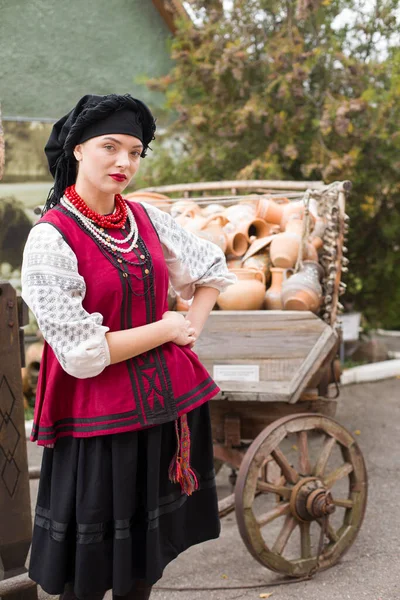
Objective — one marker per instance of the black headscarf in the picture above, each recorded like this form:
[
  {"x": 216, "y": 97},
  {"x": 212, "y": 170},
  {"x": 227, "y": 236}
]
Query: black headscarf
[{"x": 93, "y": 116}]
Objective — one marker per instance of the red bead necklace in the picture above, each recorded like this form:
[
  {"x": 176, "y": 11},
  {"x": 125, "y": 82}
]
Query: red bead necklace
[{"x": 116, "y": 220}]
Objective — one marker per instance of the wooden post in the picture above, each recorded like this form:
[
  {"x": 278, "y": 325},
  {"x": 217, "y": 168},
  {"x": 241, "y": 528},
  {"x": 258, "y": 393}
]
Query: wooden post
[
  {"x": 2, "y": 145},
  {"x": 15, "y": 505}
]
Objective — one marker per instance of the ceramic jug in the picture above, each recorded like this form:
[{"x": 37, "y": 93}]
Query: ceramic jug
[
  {"x": 246, "y": 294},
  {"x": 260, "y": 261},
  {"x": 180, "y": 206},
  {"x": 237, "y": 213},
  {"x": 295, "y": 210},
  {"x": 211, "y": 229},
  {"x": 270, "y": 210},
  {"x": 292, "y": 209},
  {"x": 159, "y": 200},
  {"x": 284, "y": 247},
  {"x": 254, "y": 228},
  {"x": 303, "y": 290},
  {"x": 273, "y": 295},
  {"x": 236, "y": 243}
]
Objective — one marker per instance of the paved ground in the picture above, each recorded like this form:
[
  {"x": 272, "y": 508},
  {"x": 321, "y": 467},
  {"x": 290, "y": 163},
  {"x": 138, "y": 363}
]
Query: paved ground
[{"x": 370, "y": 570}]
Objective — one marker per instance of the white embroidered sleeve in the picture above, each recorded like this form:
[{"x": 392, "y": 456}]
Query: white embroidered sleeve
[
  {"x": 54, "y": 290},
  {"x": 191, "y": 260}
]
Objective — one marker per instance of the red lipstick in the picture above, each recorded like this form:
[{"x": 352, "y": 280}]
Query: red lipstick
[{"x": 118, "y": 176}]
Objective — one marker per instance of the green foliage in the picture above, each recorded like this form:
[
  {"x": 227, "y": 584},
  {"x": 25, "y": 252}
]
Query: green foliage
[{"x": 276, "y": 89}]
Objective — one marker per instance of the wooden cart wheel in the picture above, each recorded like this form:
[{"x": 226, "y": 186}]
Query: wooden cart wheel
[{"x": 321, "y": 476}]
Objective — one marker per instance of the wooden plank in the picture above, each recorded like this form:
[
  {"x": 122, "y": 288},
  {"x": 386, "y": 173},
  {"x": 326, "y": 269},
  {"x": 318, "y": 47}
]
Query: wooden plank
[
  {"x": 258, "y": 345},
  {"x": 270, "y": 390},
  {"x": 2, "y": 147},
  {"x": 256, "y": 415},
  {"x": 235, "y": 184},
  {"x": 312, "y": 363},
  {"x": 339, "y": 255}
]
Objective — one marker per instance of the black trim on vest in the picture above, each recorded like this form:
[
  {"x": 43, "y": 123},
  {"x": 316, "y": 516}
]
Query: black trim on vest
[
  {"x": 159, "y": 358},
  {"x": 152, "y": 224}
]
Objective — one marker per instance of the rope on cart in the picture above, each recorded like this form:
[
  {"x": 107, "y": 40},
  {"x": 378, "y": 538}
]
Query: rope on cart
[{"x": 313, "y": 571}]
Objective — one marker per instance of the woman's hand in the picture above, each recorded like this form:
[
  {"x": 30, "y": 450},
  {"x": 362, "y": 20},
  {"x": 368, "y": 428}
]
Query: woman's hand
[{"x": 182, "y": 332}]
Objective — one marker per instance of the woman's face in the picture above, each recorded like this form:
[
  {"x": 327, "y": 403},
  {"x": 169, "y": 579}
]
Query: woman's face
[{"x": 105, "y": 156}]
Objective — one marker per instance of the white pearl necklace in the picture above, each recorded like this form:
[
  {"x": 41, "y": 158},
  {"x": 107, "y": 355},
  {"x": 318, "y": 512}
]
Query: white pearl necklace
[{"x": 101, "y": 236}]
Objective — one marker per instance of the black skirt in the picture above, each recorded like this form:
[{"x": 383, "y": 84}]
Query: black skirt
[{"x": 107, "y": 513}]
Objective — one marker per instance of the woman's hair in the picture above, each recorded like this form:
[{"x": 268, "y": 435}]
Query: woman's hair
[{"x": 94, "y": 109}]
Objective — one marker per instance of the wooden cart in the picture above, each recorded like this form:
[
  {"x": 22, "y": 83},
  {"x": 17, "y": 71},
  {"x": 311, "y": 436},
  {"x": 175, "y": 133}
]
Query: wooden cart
[{"x": 299, "y": 476}]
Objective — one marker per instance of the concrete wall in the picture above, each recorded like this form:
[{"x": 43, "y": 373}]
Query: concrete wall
[{"x": 55, "y": 51}]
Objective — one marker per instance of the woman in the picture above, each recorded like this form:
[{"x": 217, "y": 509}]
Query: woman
[{"x": 127, "y": 479}]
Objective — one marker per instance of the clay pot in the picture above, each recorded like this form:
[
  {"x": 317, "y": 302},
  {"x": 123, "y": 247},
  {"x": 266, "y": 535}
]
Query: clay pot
[
  {"x": 181, "y": 206},
  {"x": 317, "y": 242},
  {"x": 246, "y": 294},
  {"x": 259, "y": 245},
  {"x": 273, "y": 295},
  {"x": 319, "y": 227},
  {"x": 260, "y": 261},
  {"x": 212, "y": 209},
  {"x": 238, "y": 213},
  {"x": 254, "y": 228},
  {"x": 186, "y": 217},
  {"x": 310, "y": 252},
  {"x": 270, "y": 210},
  {"x": 210, "y": 228},
  {"x": 303, "y": 290},
  {"x": 181, "y": 304},
  {"x": 284, "y": 247},
  {"x": 295, "y": 210},
  {"x": 234, "y": 263},
  {"x": 159, "y": 200},
  {"x": 236, "y": 243}
]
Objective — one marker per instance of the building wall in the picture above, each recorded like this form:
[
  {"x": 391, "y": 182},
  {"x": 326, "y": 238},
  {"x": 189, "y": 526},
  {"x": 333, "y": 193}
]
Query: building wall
[{"x": 55, "y": 51}]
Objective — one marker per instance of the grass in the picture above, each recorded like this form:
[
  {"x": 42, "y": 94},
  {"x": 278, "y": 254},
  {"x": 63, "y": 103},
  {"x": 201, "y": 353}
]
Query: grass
[{"x": 349, "y": 364}]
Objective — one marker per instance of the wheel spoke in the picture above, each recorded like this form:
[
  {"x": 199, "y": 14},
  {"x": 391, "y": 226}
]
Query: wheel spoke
[
  {"x": 289, "y": 473},
  {"x": 288, "y": 527},
  {"x": 304, "y": 459},
  {"x": 282, "y": 509},
  {"x": 271, "y": 488},
  {"x": 329, "y": 531},
  {"x": 337, "y": 474},
  {"x": 324, "y": 456},
  {"x": 343, "y": 503},
  {"x": 305, "y": 540}
]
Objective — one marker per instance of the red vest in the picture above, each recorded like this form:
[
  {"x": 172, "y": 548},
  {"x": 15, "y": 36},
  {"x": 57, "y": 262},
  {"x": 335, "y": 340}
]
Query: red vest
[{"x": 155, "y": 387}]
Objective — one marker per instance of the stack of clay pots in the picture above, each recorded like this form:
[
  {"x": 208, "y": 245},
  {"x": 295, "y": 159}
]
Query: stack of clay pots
[{"x": 261, "y": 238}]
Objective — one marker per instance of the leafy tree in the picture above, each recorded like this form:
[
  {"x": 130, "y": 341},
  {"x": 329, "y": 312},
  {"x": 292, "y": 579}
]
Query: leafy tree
[{"x": 297, "y": 90}]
